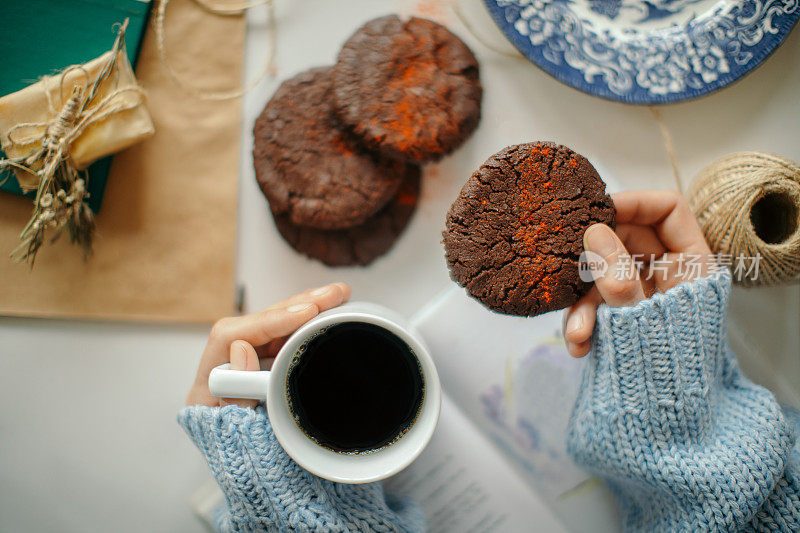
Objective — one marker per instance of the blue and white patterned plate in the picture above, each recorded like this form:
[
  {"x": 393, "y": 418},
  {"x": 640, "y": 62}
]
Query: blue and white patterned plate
[{"x": 646, "y": 51}]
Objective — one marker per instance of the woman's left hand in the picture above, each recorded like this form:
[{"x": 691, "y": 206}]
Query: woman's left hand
[{"x": 244, "y": 340}]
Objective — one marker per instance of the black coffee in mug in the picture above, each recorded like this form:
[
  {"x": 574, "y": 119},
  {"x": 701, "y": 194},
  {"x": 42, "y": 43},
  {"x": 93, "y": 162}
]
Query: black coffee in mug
[{"x": 355, "y": 387}]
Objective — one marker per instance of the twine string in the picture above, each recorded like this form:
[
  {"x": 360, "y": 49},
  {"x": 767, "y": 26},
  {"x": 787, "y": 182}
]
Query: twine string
[
  {"x": 226, "y": 9},
  {"x": 105, "y": 109},
  {"x": 60, "y": 201},
  {"x": 58, "y": 130},
  {"x": 73, "y": 117},
  {"x": 729, "y": 196},
  {"x": 50, "y": 104},
  {"x": 669, "y": 146}
]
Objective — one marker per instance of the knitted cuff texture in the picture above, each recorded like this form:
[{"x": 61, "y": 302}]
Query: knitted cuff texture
[
  {"x": 664, "y": 414},
  {"x": 267, "y": 491}
]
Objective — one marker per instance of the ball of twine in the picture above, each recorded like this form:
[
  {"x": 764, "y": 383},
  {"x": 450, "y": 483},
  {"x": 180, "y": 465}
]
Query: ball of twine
[{"x": 748, "y": 204}]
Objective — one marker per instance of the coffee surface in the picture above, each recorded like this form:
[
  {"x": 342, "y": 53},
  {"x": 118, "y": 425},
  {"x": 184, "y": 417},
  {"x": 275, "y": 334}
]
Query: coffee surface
[{"x": 356, "y": 387}]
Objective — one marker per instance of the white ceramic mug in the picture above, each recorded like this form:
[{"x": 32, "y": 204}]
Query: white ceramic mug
[{"x": 270, "y": 386}]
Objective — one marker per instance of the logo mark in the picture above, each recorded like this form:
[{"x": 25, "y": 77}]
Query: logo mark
[{"x": 591, "y": 266}]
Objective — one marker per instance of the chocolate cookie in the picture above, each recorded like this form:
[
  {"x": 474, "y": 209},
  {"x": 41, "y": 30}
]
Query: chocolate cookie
[
  {"x": 409, "y": 89},
  {"x": 514, "y": 235},
  {"x": 362, "y": 244},
  {"x": 309, "y": 168}
]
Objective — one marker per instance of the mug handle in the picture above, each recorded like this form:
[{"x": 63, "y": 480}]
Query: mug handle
[{"x": 246, "y": 384}]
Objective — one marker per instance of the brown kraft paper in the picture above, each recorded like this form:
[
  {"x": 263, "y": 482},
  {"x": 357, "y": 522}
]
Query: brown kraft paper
[{"x": 166, "y": 237}]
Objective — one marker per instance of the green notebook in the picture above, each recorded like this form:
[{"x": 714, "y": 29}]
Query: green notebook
[{"x": 41, "y": 37}]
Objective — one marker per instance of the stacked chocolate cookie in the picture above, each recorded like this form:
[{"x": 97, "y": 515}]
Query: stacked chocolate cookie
[{"x": 337, "y": 149}]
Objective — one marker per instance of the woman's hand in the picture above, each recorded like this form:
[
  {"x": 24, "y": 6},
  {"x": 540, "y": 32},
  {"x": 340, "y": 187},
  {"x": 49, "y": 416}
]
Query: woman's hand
[
  {"x": 658, "y": 245},
  {"x": 244, "y": 340}
]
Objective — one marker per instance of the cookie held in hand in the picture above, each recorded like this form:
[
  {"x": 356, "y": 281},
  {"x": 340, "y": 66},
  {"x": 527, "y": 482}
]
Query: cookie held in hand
[
  {"x": 309, "y": 168},
  {"x": 514, "y": 235},
  {"x": 409, "y": 89}
]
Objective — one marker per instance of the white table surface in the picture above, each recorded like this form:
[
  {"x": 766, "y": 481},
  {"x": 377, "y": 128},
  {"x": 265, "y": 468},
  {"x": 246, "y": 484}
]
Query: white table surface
[{"x": 88, "y": 439}]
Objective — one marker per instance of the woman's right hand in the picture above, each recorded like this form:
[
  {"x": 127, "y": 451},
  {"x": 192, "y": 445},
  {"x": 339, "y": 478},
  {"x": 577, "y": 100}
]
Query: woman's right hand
[{"x": 655, "y": 225}]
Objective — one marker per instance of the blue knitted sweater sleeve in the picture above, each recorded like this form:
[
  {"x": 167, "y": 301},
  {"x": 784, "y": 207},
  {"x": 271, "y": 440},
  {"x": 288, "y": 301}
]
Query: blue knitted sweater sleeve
[
  {"x": 267, "y": 491},
  {"x": 682, "y": 437}
]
